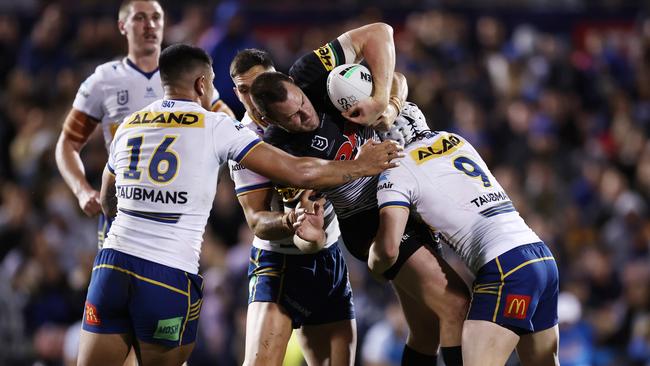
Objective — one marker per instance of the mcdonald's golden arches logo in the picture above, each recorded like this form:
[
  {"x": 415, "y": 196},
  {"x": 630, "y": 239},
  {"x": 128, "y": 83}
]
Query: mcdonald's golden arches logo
[{"x": 516, "y": 306}]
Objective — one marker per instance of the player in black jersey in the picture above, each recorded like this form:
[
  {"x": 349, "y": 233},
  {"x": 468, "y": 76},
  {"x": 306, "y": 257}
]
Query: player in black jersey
[{"x": 305, "y": 123}]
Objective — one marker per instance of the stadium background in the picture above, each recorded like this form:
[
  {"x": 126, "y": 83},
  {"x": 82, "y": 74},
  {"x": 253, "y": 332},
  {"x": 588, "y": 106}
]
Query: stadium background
[{"x": 554, "y": 94}]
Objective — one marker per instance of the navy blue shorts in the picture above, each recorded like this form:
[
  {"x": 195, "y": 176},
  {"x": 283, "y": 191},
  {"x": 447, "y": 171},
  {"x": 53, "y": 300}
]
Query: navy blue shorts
[
  {"x": 156, "y": 303},
  {"x": 518, "y": 290},
  {"x": 313, "y": 288},
  {"x": 103, "y": 226}
]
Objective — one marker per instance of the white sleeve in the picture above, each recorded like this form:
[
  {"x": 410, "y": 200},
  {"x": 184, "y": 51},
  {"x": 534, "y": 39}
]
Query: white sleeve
[
  {"x": 111, "y": 156},
  {"x": 230, "y": 138},
  {"x": 395, "y": 187},
  {"x": 348, "y": 50},
  {"x": 90, "y": 97},
  {"x": 247, "y": 180}
]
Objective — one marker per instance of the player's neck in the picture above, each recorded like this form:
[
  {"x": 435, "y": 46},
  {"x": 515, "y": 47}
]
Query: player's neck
[{"x": 146, "y": 63}]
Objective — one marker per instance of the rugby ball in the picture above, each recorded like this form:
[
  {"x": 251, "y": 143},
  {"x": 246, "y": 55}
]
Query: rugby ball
[{"x": 348, "y": 84}]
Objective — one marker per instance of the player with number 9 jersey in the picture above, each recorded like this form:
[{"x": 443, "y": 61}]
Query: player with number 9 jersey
[{"x": 447, "y": 184}]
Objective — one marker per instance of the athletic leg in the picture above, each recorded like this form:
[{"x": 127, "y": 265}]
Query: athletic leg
[
  {"x": 329, "y": 344},
  {"x": 103, "y": 349},
  {"x": 539, "y": 348},
  {"x": 429, "y": 279},
  {"x": 268, "y": 329},
  {"x": 486, "y": 343},
  {"x": 150, "y": 354}
]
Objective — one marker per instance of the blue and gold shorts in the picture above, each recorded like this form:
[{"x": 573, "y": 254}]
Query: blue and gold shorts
[
  {"x": 518, "y": 290},
  {"x": 313, "y": 288},
  {"x": 157, "y": 303}
]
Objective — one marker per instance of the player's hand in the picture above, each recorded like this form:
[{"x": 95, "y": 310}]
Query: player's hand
[
  {"x": 386, "y": 119},
  {"x": 377, "y": 157},
  {"x": 310, "y": 236},
  {"x": 366, "y": 112},
  {"x": 89, "y": 202}
]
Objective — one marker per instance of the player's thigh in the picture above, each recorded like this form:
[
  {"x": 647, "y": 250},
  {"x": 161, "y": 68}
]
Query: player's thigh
[
  {"x": 539, "y": 348},
  {"x": 486, "y": 343},
  {"x": 103, "y": 349},
  {"x": 329, "y": 344},
  {"x": 423, "y": 323},
  {"x": 151, "y": 354},
  {"x": 429, "y": 279},
  {"x": 268, "y": 329}
]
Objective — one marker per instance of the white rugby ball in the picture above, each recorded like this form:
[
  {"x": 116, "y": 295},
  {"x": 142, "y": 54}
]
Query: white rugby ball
[{"x": 348, "y": 84}]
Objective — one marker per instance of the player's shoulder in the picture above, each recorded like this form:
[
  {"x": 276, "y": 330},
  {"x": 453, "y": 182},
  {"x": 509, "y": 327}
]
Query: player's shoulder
[{"x": 110, "y": 69}]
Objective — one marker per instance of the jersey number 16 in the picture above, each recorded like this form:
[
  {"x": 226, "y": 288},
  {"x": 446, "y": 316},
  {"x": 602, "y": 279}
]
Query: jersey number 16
[{"x": 162, "y": 166}]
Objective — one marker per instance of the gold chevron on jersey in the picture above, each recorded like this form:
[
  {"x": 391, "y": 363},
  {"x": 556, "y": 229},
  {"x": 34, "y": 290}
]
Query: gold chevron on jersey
[
  {"x": 165, "y": 119},
  {"x": 445, "y": 145}
]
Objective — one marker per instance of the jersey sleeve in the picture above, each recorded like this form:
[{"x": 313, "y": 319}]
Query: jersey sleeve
[
  {"x": 111, "y": 157},
  {"x": 246, "y": 180},
  {"x": 313, "y": 67},
  {"x": 90, "y": 97},
  {"x": 395, "y": 188},
  {"x": 231, "y": 139}
]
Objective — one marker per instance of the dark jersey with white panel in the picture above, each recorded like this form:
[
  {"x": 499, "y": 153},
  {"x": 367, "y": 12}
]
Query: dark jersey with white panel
[{"x": 336, "y": 138}]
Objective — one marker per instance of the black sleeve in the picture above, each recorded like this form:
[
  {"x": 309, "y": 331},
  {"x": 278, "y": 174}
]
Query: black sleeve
[{"x": 310, "y": 73}]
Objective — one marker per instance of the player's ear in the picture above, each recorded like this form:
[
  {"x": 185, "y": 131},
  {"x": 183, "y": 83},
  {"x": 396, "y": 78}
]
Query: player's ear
[
  {"x": 121, "y": 28},
  {"x": 199, "y": 85}
]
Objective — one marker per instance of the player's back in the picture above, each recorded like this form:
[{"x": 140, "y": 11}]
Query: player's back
[
  {"x": 166, "y": 159},
  {"x": 457, "y": 195}
]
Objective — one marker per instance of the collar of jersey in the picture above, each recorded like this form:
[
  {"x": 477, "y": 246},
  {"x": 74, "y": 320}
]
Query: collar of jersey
[{"x": 135, "y": 67}]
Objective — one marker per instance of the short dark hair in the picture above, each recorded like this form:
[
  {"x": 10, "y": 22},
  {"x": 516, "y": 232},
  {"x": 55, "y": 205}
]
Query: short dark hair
[
  {"x": 179, "y": 59},
  {"x": 268, "y": 89},
  {"x": 124, "y": 8},
  {"x": 249, "y": 58}
]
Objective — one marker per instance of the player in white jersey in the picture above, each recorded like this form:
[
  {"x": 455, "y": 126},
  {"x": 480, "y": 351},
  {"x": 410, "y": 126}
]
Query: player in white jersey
[
  {"x": 160, "y": 181},
  {"x": 115, "y": 90},
  {"x": 288, "y": 288},
  {"x": 446, "y": 183}
]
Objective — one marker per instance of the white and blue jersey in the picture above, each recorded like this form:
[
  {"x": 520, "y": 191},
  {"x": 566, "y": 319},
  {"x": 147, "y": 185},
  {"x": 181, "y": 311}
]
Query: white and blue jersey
[
  {"x": 444, "y": 180},
  {"x": 455, "y": 193},
  {"x": 166, "y": 160}
]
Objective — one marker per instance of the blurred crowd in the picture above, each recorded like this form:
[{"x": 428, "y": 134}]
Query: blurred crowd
[{"x": 560, "y": 112}]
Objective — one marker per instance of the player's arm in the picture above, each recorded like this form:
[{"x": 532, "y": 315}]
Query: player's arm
[
  {"x": 266, "y": 224},
  {"x": 221, "y": 106},
  {"x": 76, "y": 131},
  {"x": 107, "y": 193},
  {"x": 398, "y": 94},
  {"x": 385, "y": 249},
  {"x": 374, "y": 43},
  {"x": 313, "y": 173}
]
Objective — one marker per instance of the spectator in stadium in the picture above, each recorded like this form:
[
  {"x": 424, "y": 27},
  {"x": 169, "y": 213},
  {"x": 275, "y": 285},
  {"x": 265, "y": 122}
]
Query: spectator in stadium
[
  {"x": 300, "y": 111},
  {"x": 300, "y": 293},
  {"x": 445, "y": 181}
]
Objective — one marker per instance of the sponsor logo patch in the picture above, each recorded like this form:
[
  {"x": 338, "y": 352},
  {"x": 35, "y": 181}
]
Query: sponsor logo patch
[
  {"x": 169, "y": 329},
  {"x": 516, "y": 306},
  {"x": 443, "y": 146},
  {"x": 91, "y": 316},
  {"x": 326, "y": 56},
  {"x": 165, "y": 119}
]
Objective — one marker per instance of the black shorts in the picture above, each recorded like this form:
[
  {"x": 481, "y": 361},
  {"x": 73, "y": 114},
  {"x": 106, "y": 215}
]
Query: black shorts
[{"x": 358, "y": 232}]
